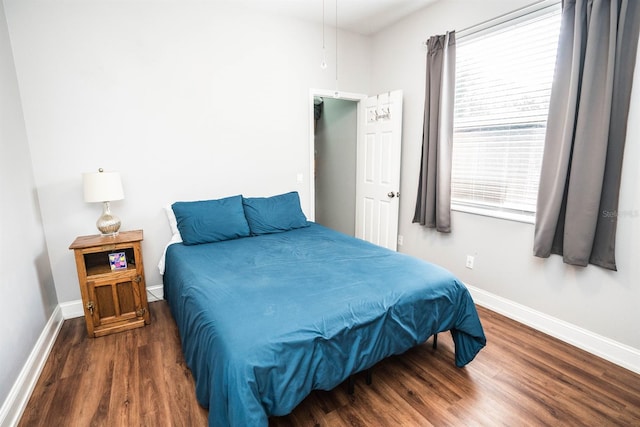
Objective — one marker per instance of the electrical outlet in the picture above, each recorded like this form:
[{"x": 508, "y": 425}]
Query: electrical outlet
[
  {"x": 400, "y": 239},
  {"x": 470, "y": 259}
]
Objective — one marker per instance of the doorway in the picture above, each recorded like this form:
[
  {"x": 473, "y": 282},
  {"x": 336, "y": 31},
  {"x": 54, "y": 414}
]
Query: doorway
[
  {"x": 377, "y": 168},
  {"x": 334, "y": 207},
  {"x": 335, "y": 149}
]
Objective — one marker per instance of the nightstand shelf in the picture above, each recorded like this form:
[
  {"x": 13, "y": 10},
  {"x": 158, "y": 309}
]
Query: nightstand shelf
[{"x": 113, "y": 300}]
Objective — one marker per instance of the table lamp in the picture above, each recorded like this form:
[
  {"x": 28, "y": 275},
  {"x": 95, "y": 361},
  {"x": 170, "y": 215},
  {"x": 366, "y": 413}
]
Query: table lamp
[{"x": 104, "y": 187}]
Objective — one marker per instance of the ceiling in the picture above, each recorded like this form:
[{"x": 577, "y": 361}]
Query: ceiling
[{"x": 359, "y": 16}]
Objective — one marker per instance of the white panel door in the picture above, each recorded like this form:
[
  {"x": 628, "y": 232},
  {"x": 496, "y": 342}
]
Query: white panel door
[{"x": 378, "y": 169}]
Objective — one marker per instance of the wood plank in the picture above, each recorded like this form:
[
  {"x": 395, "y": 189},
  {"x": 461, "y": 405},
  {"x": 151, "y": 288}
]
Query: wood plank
[{"x": 522, "y": 377}]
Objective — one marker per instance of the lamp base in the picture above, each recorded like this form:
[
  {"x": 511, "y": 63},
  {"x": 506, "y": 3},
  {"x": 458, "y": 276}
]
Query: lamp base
[{"x": 108, "y": 224}]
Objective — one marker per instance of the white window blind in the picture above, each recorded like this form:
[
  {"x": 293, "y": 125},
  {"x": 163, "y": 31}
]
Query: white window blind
[{"x": 503, "y": 84}]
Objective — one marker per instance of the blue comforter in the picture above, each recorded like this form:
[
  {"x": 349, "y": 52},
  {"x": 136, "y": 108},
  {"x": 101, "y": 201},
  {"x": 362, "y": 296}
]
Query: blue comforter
[{"x": 264, "y": 320}]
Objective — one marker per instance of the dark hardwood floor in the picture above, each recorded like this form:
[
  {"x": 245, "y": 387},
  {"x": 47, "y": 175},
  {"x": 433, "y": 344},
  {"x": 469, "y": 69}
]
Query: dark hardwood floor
[{"x": 522, "y": 378}]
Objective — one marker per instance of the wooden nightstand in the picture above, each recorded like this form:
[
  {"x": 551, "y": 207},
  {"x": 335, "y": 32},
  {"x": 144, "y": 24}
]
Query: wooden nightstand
[{"x": 113, "y": 300}]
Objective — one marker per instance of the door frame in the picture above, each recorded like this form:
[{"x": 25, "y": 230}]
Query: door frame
[{"x": 327, "y": 93}]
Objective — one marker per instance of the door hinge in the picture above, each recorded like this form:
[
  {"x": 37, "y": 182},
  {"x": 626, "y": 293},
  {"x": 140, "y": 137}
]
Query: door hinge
[{"x": 90, "y": 306}]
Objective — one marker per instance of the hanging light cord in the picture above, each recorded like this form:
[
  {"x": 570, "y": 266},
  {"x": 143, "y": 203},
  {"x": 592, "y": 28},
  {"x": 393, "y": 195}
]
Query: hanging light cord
[
  {"x": 323, "y": 63},
  {"x": 336, "y": 44},
  {"x": 323, "y": 25}
]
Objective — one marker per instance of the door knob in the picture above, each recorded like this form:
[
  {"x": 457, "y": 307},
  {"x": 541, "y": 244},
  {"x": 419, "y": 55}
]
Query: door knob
[{"x": 391, "y": 194}]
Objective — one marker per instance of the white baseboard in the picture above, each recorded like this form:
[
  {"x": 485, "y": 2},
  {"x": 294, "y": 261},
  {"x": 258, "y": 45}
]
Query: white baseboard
[
  {"x": 16, "y": 401},
  {"x": 74, "y": 309},
  {"x": 155, "y": 293},
  {"x": 613, "y": 351}
]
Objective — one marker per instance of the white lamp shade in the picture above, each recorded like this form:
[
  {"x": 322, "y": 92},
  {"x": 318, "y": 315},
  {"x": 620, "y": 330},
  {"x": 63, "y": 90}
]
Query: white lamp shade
[{"x": 102, "y": 187}]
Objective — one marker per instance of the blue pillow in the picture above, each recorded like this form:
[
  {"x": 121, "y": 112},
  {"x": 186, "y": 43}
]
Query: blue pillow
[
  {"x": 274, "y": 214},
  {"x": 208, "y": 221}
]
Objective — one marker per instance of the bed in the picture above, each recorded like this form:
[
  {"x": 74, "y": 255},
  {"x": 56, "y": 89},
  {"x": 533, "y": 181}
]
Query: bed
[{"x": 267, "y": 317}]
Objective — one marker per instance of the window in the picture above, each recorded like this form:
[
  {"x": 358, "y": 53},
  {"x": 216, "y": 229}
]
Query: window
[{"x": 503, "y": 84}]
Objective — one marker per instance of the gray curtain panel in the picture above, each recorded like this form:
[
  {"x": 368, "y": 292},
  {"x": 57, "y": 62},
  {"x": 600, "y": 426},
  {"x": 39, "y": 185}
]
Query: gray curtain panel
[
  {"x": 433, "y": 204},
  {"x": 580, "y": 178}
]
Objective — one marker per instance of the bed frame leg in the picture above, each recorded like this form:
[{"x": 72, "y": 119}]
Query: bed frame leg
[
  {"x": 435, "y": 341},
  {"x": 351, "y": 380}
]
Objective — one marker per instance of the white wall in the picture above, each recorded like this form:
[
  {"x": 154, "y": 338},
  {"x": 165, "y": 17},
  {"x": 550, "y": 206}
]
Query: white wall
[
  {"x": 600, "y": 301},
  {"x": 186, "y": 99},
  {"x": 26, "y": 285}
]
